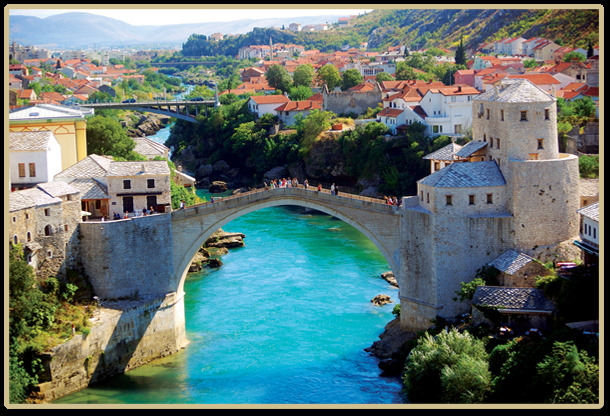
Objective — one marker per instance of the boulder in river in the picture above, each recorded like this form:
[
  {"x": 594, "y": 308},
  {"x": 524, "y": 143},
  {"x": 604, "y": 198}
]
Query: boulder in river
[
  {"x": 390, "y": 278},
  {"x": 381, "y": 300},
  {"x": 218, "y": 187}
]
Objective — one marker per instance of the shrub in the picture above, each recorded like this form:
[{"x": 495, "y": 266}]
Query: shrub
[{"x": 451, "y": 368}]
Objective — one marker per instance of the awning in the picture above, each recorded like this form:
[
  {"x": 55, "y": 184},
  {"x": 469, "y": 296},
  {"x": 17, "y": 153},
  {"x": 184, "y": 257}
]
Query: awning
[{"x": 586, "y": 247}]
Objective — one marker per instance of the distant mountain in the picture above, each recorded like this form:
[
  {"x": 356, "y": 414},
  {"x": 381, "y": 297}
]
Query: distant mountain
[{"x": 75, "y": 29}]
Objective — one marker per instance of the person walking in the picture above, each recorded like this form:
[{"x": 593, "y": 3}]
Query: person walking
[{"x": 332, "y": 189}]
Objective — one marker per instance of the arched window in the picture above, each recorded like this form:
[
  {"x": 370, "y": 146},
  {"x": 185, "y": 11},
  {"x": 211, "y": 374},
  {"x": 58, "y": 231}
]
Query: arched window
[{"x": 47, "y": 230}]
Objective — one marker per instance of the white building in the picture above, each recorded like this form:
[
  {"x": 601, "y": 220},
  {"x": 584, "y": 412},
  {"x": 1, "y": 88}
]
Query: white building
[
  {"x": 34, "y": 157},
  {"x": 289, "y": 111},
  {"x": 444, "y": 110},
  {"x": 263, "y": 104},
  {"x": 589, "y": 232}
]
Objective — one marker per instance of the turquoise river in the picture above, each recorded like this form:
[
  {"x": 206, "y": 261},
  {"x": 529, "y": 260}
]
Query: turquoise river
[{"x": 285, "y": 320}]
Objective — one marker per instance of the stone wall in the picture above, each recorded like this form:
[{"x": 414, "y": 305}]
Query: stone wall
[
  {"x": 438, "y": 253},
  {"x": 544, "y": 196},
  {"x": 345, "y": 102},
  {"x": 123, "y": 336},
  {"x": 128, "y": 258}
]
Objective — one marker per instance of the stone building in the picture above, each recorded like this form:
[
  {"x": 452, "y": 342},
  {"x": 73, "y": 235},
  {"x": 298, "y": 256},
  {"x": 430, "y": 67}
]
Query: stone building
[
  {"x": 44, "y": 220},
  {"x": 521, "y": 194},
  {"x": 110, "y": 186},
  {"x": 518, "y": 269},
  {"x": 133, "y": 186},
  {"x": 351, "y": 101},
  {"x": 519, "y": 308}
]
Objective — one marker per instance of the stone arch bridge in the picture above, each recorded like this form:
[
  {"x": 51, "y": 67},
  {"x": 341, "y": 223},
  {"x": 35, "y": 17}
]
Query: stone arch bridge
[
  {"x": 192, "y": 226},
  {"x": 137, "y": 266}
]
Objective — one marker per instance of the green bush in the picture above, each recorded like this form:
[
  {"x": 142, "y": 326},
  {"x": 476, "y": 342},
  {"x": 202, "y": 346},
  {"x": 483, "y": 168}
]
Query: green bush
[
  {"x": 450, "y": 368},
  {"x": 589, "y": 166}
]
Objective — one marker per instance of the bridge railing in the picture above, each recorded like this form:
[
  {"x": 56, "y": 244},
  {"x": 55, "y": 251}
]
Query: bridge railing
[{"x": 324, "y": 190}]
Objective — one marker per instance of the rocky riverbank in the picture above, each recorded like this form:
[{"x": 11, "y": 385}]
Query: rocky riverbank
[
  {"x": 140, "y": 125},
  {"x": 215, "y": 246},
  {"x": 391, "y": 347}
]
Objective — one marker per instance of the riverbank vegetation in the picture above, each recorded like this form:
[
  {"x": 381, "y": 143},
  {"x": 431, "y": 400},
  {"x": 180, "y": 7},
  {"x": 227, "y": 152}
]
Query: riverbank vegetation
[
  {"x": 42, "y": 314},
  {"x": 355, "y": 154},
  {"x": 463, "y": 363}
]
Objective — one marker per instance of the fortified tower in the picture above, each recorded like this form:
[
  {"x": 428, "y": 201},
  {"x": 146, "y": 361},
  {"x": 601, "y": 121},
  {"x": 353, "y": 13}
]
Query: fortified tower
[
  {"x": 510, "y": 189},
  {"x": 518, "y": 121}
]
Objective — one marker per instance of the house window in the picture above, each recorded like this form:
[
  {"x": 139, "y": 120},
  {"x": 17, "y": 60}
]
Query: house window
[
  {"x": 485, "y": 138},
  {"x": 126, "y": 184},
  {"x": 540, "y": 143},
  {"x": 449, "y": 199},
  {"x": 501, "y": 115},
  {"x": 491, "y": 142},
  {"x": 488, "y": 113},
  {"x": 47, "y": 230},
  {"x": 437, "y": 166},
  {"x": 150, "y": 183},
  {"x": 523, "y": 116},
  {"x": 28, "y": 236},
  {"x": 47, "y": 212},
  {"x": 32, "y": 170},
  {"x": 427, "y": 197},
  {"x": 490, "y": 199},
  {"x": 498, "y": 143},
  {"x": 546, "y": 114},
  {"x": 22, "y": 170},
  {"x": 533, "y": 156},
  {"x": 421, "y": 196},
  {"x": 470, "y": 199}
]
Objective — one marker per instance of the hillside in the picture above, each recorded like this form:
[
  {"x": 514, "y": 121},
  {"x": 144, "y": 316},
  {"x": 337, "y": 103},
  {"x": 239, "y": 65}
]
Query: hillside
[
  {"x": 79, "y": 29},
  {"x": 421, "y": 28}
]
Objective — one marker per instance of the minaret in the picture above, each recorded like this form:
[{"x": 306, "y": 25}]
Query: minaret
[{"x": 271, "y": 48}]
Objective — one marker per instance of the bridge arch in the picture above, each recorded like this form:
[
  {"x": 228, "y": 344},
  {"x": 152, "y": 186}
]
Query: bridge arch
[{"x": 192, "y": 226}]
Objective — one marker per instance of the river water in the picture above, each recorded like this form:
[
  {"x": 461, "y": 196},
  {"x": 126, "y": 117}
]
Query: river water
[{"x": 285, "y": 320}]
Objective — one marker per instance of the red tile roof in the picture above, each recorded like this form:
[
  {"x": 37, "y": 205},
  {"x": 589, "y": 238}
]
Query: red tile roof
[
  {"x": 299, "y": 106},
  {"x": 270, "y": 99}
]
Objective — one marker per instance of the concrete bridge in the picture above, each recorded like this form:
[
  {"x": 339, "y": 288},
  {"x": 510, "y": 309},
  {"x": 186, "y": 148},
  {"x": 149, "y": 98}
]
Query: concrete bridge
[{"x": 172, "y": 108}]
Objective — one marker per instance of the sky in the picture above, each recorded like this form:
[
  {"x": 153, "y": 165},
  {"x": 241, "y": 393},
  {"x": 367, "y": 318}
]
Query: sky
[{"x": 187, "y": 14}]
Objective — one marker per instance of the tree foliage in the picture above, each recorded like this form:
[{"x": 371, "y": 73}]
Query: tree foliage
[
  {"x": 106, "y": 136},
  {"x": 278, "y": 77},
  {"x": 304, "y": 75},
  {"x": 329, "y": 75},
  {"x": 449, "y": 368},
  {"x": 351, "y": 78}
]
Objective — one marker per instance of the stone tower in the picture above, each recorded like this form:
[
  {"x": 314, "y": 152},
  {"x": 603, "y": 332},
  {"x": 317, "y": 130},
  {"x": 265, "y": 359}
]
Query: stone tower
[
  {"x": 518, "y": 121},
  {"x": 518, "y": 193}
]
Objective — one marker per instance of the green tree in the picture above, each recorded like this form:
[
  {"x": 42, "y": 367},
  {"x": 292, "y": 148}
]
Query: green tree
[
  {"x": 329, "y": 75},
  {"x": 460, "y": 54},
  {"x": 351, "y": 78},
  {"x": 450, "y": 368},
  {"x": 568, "y": 375},
  {"x": 584, "y": 107},
  {"x": 574, "y": 55},
  {"x": 383, "y": 76},
  {"x": 299, "y": 93},
  {"x": 106, "y": 136},
  {"x": 278, "y": 77},
  {"x": 404, "y": 72},
  {"x": 310, "y": 127},
  {"x": 304, "y": 75}
]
